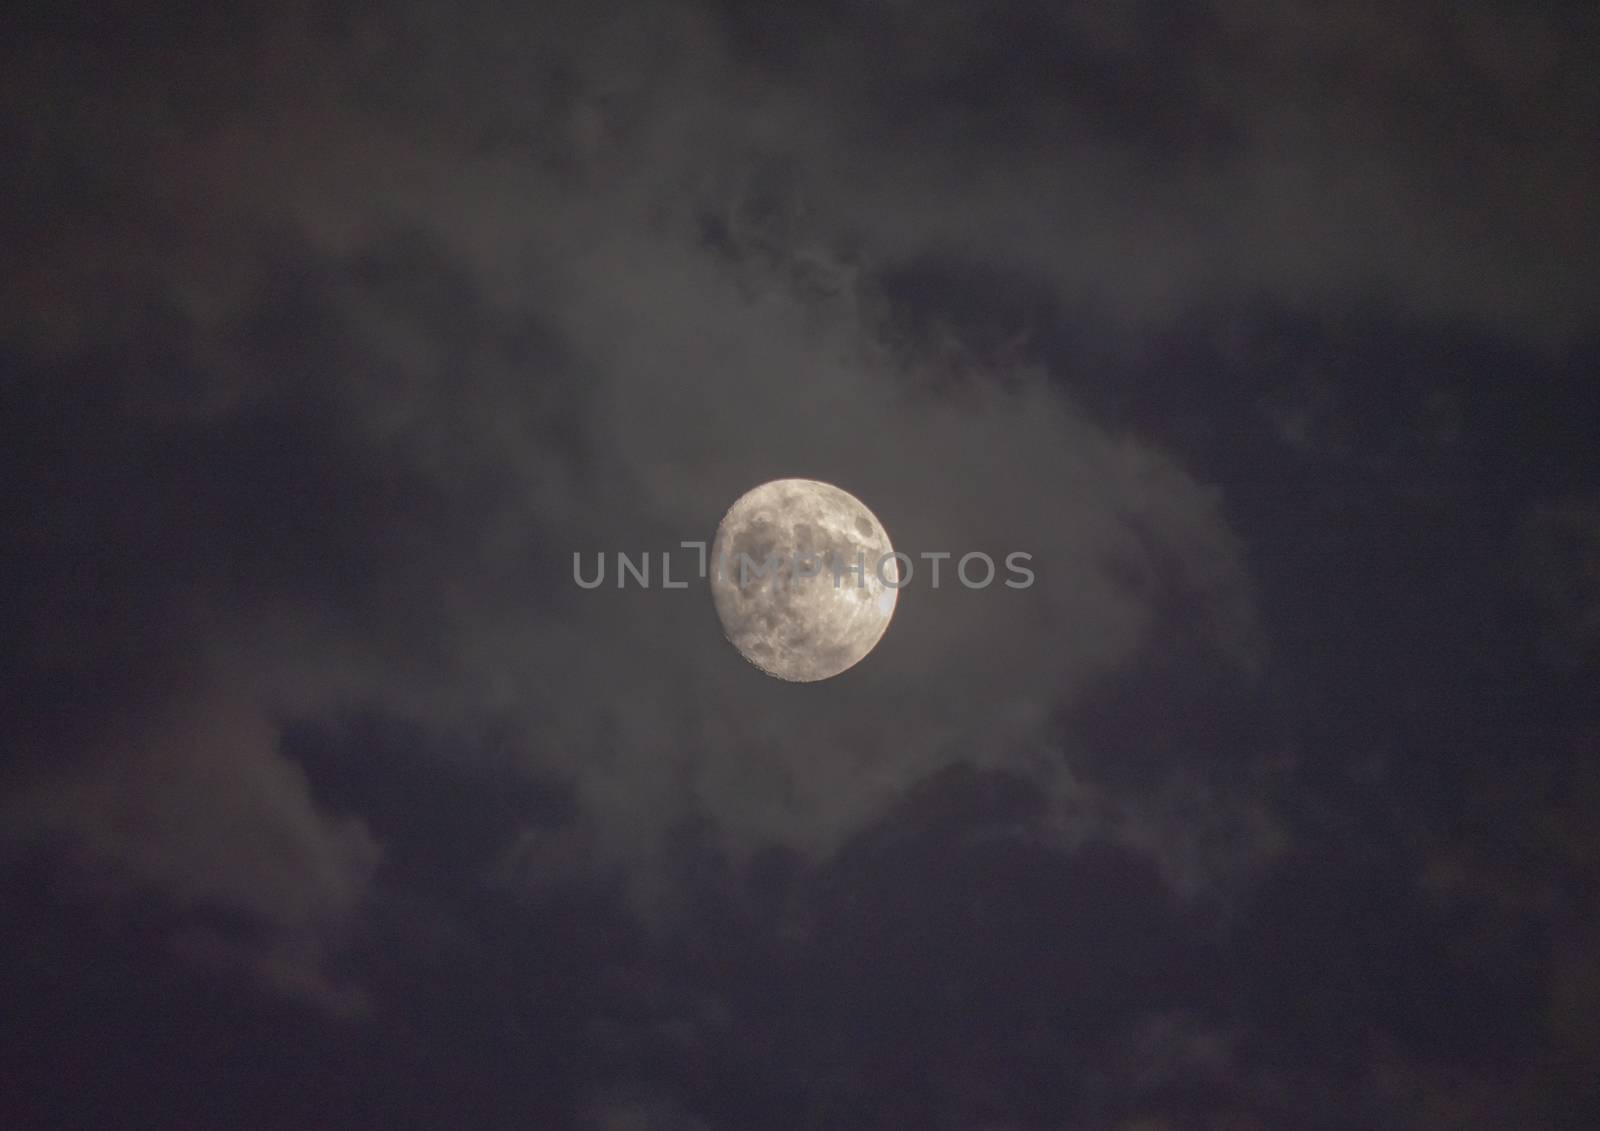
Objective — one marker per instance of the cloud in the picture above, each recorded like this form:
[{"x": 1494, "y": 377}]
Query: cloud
[
  {"x": 455, "y": 337},
  {"x": 385, "y": 336},
  {"x": 641, "y": 1115},
  {"x": 1561, "y": 568},
  {"x": 316, "y": 381},
  {"x": 192, "y": 801},
  {"x": 1300, "y": 151}
]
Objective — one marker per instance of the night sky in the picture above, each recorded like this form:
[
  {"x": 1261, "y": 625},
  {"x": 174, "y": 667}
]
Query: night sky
[{"x": 330, "y": 333}]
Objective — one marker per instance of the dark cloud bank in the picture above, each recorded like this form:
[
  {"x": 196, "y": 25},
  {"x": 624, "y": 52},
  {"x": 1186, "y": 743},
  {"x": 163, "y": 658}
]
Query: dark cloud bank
[{"x": 1268, "y": 328}]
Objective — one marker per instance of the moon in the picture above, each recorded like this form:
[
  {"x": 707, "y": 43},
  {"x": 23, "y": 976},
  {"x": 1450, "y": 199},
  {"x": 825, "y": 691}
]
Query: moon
[{"x": 815, "y": 621}]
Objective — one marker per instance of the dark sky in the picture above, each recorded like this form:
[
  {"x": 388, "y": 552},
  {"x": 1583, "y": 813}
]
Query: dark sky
[{"x": 329, "y": 334}]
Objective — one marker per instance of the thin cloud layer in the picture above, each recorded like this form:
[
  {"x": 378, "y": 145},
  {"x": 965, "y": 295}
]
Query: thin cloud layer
[
  {"x": 551, "y": 364},
  {"x": 330, "y": 339}
]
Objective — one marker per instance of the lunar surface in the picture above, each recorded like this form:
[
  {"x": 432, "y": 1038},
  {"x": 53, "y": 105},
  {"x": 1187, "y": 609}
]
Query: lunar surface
[{"x": 817, "y": 620}]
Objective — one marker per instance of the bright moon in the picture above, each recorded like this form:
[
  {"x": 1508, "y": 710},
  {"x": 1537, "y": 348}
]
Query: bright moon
[{"x": 803, "y": 628}]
